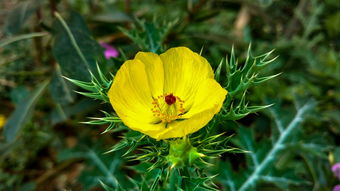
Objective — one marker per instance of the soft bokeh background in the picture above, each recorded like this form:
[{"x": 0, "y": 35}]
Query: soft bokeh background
[{"x": 44, "y": 147}]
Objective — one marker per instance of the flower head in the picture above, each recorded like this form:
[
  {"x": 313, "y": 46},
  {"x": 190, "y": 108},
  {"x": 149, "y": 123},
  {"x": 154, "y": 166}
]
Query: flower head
[
  {"x": 336, "y": 188},
  {"x": 336, "y": 170},
  {"x": 168, "y": 95},
  {"x": 110, "y": 51}
]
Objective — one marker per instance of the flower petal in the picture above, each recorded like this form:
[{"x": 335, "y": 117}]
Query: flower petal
[
  {"x": 184, "y": 72},
  {"x": 184, "y": 127},
  {"x": 130, "y": 94},
  {"x": 210, "y": 94},
  {"x": 154, "y": 71},
  {"x": 150, "y": 129}
]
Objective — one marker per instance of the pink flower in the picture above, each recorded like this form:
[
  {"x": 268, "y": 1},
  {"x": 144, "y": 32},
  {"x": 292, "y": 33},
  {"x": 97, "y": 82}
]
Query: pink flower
[
  {"x": 110, "y": 51},
  {"x": 336, "y": 188},
  {"x": 336, "y": 171}
]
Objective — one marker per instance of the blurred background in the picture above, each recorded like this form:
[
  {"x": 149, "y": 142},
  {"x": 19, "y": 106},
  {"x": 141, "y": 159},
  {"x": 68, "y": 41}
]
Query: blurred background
[{"x": 44, "y": 147}]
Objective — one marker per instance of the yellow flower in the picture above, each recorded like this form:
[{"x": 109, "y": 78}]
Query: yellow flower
[{"x": 166, "y": 96}]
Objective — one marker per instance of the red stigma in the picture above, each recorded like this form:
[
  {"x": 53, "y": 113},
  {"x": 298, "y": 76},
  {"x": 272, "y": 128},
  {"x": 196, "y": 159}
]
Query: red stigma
[{"x": 170, "y": 99}]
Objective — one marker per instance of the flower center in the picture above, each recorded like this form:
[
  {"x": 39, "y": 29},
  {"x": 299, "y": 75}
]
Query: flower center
[
  {"x": 167, "y": 107},
  {"x": 170, "y": 99}
]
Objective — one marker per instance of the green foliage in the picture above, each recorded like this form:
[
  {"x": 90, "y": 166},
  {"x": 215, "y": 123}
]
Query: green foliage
[
  {"x": 60, "y": 89},
  {"x": 105, "y": 170},
  {"x": 22, "y": 113},
  {"x": 182, "y": 153},
  {"x": 238, "y": 79},
  {"x": 61, "y": 114},
  {"x": 20, "y": 37},
  {"x": 241, "y": 77},
  {"x": 18, "y": 17},
  {"x": 33, "y": 138},
  {"x": 263, "y": 158},
  {"x": 279, "y": 148},
  {"x": 98, "y": 88},
  {"x": 148, "y": 36},
  {"x": 75, "y": 50}
]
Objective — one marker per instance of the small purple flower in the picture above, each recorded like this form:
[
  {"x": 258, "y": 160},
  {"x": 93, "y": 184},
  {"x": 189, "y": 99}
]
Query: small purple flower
[
  {"x": 110, "y": 51},
  {"x": 336, "y": 188},
  {"x": 336, "y": 170}
]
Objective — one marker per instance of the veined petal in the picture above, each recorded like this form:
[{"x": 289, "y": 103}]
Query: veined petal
[
  {"x": 210, "y": 94},
  {"x": 130, "y": 94},
  {"x": 184, "y": 127},
  {"x": 184, "y": 71},
  {"x": 150, "y": 129},
  {"x": 154, "y": 71}
]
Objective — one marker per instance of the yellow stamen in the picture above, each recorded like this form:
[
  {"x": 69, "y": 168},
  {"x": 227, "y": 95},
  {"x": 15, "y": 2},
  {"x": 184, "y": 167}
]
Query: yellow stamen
[{"x": 167, "y": 107}]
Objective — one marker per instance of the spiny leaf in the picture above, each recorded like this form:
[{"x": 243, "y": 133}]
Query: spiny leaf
[
  {"x": 232, "y": 62},
  {"x": 264, "y": 79},
  {"x": 110, "y": 127},
  {"x": 85, "y": 85},
  {"x": 148, "y": 36},
  {"x": 218, "y": 71},
  {"x": 120, "y": 145},
  {"x": 281, "y": 182},
  {"x": 103, "y": 120},
  {"x": 279, "y": 145},
  {"x": 102, "y": 77},
  {"x": 242, "y": 77},
  {"x": 91, "y": 95},
  {"x": 106, "y": 187}
]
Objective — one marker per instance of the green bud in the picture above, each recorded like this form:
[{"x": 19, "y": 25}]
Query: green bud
[{"x": 182, "y": 153}]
